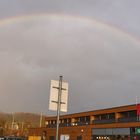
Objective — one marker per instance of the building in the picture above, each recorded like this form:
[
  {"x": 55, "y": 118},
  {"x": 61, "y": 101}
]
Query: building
[{"x": 118, "y": 123}]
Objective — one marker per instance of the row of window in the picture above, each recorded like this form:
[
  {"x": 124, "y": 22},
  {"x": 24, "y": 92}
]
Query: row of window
[{"x": 128, "y": 116}]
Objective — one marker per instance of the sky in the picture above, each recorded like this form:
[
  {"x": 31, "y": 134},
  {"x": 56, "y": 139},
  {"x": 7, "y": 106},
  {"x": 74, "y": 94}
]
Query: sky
[{"x": 93, "y": 44}]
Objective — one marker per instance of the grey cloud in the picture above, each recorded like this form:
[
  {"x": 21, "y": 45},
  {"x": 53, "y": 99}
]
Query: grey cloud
[{"x": 100, "y": 64}]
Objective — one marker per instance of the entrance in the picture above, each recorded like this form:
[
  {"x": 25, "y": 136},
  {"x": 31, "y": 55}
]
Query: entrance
[{"x": 79, "y": 137}]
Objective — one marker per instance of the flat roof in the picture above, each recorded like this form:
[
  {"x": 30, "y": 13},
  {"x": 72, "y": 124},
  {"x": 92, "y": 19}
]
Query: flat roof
[{"x": 98, "y": 111}]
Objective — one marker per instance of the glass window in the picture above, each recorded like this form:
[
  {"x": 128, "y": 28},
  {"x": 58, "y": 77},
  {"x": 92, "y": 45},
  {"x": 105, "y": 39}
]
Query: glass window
[
  {"x": 132, "y": 113},
  {"x": 51, "y": 138},
  {"x": 79, "y": 137}
]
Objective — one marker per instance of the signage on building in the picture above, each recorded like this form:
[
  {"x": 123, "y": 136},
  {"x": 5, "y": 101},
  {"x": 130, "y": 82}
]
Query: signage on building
[
  {"x": 138, "y": 131},
  {"x": 138, "y": 109}
]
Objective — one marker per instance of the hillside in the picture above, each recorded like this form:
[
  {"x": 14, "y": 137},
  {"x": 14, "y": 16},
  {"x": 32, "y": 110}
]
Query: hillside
[{"x": 30, "y": 119}]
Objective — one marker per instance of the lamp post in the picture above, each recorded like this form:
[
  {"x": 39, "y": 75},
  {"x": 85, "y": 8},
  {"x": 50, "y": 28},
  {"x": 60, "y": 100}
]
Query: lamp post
[
  {"x": 58, "y": 106},
  {"x": 58, "y": 99}
]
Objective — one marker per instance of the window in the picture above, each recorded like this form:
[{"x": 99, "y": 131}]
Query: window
[
  {"x": 79, "y": 137},
  {"x": 132, "y": 113},
  {"x": 51, "y": 138}
]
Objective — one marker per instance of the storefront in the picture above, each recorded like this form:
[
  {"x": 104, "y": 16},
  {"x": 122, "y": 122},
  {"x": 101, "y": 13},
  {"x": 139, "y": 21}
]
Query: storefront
[
  {"x": 111, "y": 134},
  {"x": 116, "y": 134}
]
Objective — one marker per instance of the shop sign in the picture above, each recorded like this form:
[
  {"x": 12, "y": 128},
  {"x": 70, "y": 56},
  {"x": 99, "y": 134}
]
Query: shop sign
[{"x": 138, "y": 131}]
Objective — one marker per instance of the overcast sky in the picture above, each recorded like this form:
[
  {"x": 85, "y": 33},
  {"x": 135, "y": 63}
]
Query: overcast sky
[{"x": 94, "y": 44}]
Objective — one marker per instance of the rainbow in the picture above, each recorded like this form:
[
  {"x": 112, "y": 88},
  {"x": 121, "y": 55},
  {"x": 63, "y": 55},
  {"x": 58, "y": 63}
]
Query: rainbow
[{"x": 111, "y": 28}]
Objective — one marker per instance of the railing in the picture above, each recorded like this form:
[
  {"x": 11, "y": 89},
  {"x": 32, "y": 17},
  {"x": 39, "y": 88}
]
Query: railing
[
  {"x": 81, "y": 123},
  {"x": 61, "y": 125},
  {"x": 132, "y": 119},
  {"x": 64, "y": 124},
  {"x": 107, "y": 121},
  {"x": 51, "y": 125}
]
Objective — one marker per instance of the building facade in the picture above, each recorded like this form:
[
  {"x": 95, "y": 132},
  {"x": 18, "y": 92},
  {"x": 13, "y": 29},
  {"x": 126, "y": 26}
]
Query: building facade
[{"x": 118, "y": 123}]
